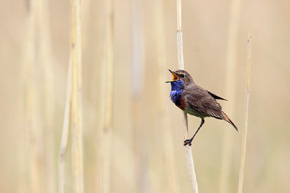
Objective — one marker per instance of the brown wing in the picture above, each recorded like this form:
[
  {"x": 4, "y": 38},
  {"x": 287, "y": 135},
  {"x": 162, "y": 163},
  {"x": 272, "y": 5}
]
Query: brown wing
[{"x": 200, "y": 100}]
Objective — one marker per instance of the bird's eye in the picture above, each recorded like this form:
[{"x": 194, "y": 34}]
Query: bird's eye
[{"x": 182, "y": 75}]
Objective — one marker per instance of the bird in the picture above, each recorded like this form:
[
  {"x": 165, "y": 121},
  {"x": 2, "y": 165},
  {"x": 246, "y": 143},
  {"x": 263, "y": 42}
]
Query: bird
[{"x": 195, "y": 100}]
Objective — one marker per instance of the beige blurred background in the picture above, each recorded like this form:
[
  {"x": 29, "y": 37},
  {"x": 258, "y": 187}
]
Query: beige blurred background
[{"x": 206, "y": 36}]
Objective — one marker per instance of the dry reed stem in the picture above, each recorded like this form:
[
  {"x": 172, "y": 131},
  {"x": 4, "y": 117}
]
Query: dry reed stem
[
  {"x": 33, "y": 124},
  {"x": 29, "y": 90},
  {"x": 245, "y": 134},
  {"x": 76, "y": 111},
  {"x": 99, "y": 145},
  {"x": 100, "y": 131},
  {"x": 65, "y": 132},
  {"x": 173, "y": 185},
  {"x": 188, "y": 151},
  {"x": 106, "y": 132},
  {"x": 45, "y": 57},
  {"x": 137, "y": 94},
  {"x": 230, "y": 90},
  {"x": 139, "y": 132},
  {"x": 41, "y": 120}
]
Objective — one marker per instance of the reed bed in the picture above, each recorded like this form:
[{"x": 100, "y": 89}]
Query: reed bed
[{"x": 82, "y": 87}]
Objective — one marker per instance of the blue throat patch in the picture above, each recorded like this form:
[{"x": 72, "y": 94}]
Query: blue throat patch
[{"x": 176, "y": 89}]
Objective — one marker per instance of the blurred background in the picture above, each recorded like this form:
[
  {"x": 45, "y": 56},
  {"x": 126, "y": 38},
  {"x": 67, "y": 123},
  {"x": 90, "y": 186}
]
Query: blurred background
[{"x": 147, "y": 153}]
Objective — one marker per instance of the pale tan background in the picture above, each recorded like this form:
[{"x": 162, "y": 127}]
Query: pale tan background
[{"x": 205, "y": 29}]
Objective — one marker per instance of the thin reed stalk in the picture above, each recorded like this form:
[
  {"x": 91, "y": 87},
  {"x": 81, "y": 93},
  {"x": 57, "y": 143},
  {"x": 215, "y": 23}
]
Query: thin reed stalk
[
  {"x": 245, "y": 133},
  {"x": 39, "y": 98},
  {"x": 76, "y": 90},
  {"x": 46, "y": 61},
  {"x": 65, "y": 132},
  {"x": 107, "y": 123},
  {"x": 29, "y": 90},
  {"x": 230, "y": 91},
  {"x": 33, "y": 122},
  {"x": 137, "y": 94},
  {"x": 173, "y": 185},
  {"x": 99, "y": 144},
  {"x": 188, "y": 151}
]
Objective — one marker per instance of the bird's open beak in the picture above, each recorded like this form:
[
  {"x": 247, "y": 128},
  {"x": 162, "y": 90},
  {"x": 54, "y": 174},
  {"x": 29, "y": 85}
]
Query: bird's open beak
[{"x": 174, "y": 77}]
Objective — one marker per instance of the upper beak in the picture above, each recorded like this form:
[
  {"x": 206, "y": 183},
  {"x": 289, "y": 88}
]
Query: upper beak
[{"x": 174, "y": 77}]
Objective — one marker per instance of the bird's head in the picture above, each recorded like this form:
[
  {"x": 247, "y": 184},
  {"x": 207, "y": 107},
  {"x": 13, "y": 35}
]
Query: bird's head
[{"x": 180, "y": 77}]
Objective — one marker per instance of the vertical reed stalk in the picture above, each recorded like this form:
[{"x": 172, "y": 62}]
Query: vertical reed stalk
[
  {"x": 76, "y": 90},
  {"x": 107, "y": 123},
  {"x": 33, "y": 123},
  {"x": 230, "y": 89},
  {"x": 39, "y": 117},
  {"x": 173, "y": 185},
  {"x": 29, "y": 91},
  {"x": 137, "y": 94},
  {"x": 99, "y": 145},
  {"x": 188, "y": 151},
  {"x": 46, "y": 61},
  {"x": 245, "y": 134},
  {"x": 65, "y": 132}
]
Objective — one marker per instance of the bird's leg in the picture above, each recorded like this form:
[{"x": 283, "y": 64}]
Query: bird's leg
[{"x": 188, "y": 141}]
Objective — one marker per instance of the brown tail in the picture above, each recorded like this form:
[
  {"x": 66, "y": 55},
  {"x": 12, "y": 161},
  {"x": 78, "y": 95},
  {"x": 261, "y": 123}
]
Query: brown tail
[{"x": 226, "y": 118}]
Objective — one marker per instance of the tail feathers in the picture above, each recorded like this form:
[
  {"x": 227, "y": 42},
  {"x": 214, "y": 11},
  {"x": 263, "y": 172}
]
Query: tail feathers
[{"x": 226, "y": 118}]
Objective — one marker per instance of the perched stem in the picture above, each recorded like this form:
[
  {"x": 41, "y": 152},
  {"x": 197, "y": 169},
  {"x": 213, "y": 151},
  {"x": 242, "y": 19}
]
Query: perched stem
[
  {"x": 180, "y": 57},
  {"x": 245, "y": 133},
  {"x": 188, "y": 152}
]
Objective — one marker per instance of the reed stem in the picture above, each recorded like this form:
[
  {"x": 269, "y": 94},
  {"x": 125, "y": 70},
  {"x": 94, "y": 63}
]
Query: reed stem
[
  {"x": 46, "y": 61},
  {"x": 245, "y": 133},
  {"x": 173, "y": 185},
  {"x": 137, "y": 94},
  {"x": 107, "y": 124},
  {"x": 65, "y": 132},
  {"x": 76, "y": 90},
  {"x": 33, "y": 122},
  {"x": 230, "y": 91},
  {"x": 188, "y": 151}
]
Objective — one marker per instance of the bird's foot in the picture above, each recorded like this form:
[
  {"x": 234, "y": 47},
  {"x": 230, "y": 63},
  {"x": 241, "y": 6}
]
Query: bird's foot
[{"x": 187, "y": 142}]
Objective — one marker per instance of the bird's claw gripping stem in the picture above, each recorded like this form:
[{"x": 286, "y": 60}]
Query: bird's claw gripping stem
[{"x": 187, "y": 142}]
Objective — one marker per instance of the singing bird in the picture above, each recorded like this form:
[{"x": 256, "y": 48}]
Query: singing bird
[{"x": 195, "y": 100}]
